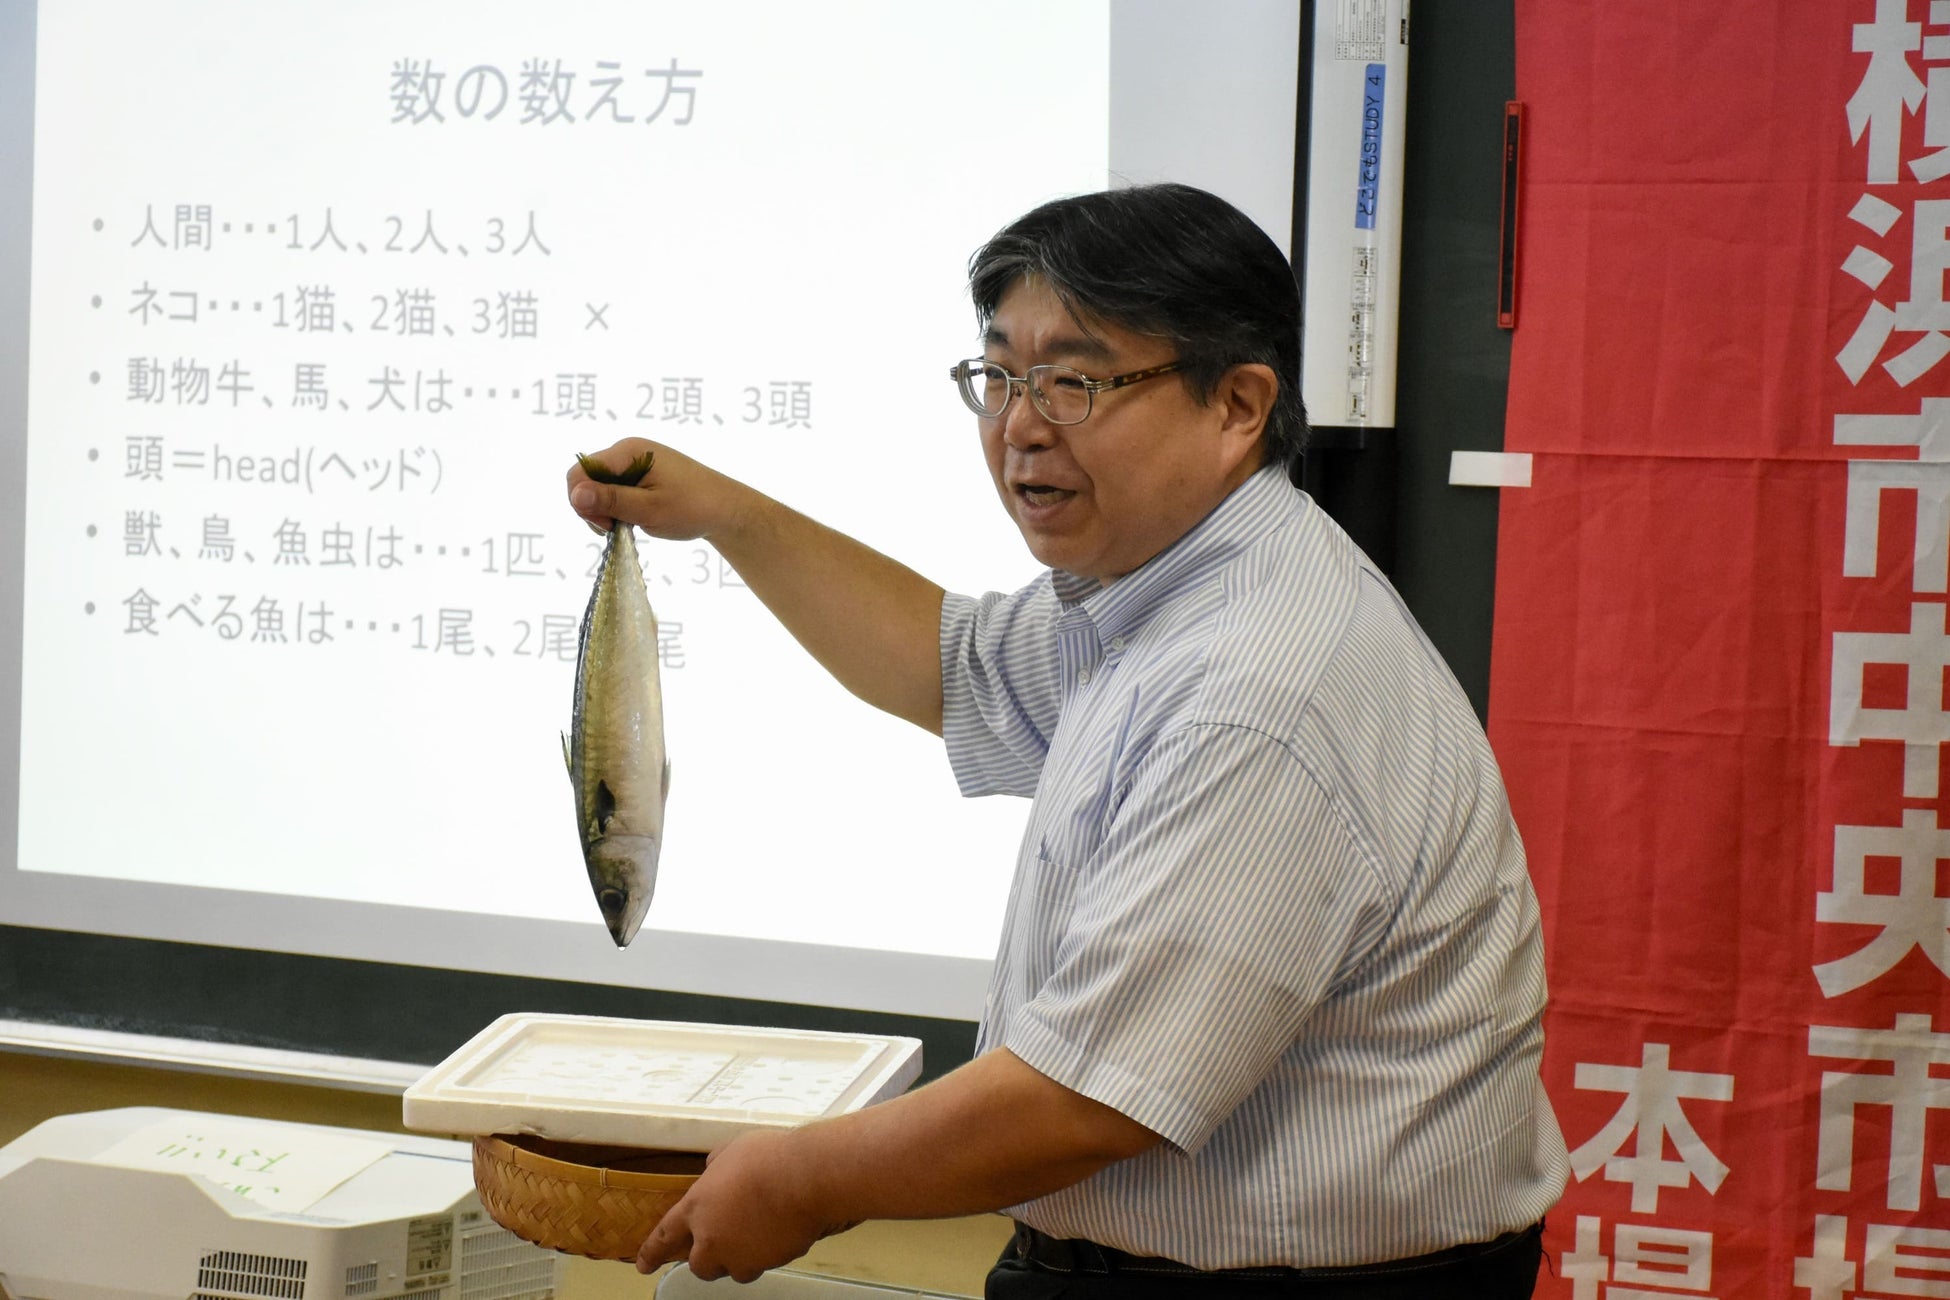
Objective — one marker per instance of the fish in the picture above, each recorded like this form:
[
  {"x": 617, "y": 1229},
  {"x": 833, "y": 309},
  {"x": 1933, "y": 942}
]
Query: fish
[{"x": 615, "y": 745}]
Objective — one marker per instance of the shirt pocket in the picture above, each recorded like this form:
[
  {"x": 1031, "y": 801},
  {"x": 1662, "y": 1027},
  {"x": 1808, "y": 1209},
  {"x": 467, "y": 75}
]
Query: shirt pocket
[
  {"x": 1070, "y": 830},
  {"x": 1055, "y": 858}
]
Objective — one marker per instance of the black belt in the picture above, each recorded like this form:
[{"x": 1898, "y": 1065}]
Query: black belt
[{"x": 1076, "y": 1256}]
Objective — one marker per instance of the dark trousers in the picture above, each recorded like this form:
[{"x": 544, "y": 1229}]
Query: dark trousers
[{"x": 1033, "y": 1266}]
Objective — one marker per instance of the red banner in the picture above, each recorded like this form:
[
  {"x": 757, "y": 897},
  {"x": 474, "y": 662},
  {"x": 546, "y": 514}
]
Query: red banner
[{"x": 1720, "y": 687}]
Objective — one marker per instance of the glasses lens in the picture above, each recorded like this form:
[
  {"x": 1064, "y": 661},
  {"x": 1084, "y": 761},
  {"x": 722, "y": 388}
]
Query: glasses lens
[
  {"x": 1059, "y": 393},
  {"x": 984, "y": 387}
]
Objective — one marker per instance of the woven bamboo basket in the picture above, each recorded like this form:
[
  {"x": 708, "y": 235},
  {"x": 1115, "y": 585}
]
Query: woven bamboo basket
[{"x": 596, "y": 1201}]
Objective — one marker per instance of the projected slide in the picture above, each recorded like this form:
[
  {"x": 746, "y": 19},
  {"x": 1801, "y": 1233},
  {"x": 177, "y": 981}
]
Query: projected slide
[{"x": 325, "y": 297}]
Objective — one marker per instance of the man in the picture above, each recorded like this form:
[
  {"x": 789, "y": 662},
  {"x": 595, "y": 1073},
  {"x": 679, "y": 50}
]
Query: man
[{"x": 1265, "y": 1012}]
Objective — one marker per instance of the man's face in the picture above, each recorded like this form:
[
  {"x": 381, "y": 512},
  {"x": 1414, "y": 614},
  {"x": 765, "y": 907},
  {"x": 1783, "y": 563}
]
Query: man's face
[{"x": 1100, "y": 498}]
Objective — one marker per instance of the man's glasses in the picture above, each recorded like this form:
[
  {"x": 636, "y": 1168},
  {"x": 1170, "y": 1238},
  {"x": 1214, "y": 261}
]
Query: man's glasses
[{"x": 1060, "y": 394}]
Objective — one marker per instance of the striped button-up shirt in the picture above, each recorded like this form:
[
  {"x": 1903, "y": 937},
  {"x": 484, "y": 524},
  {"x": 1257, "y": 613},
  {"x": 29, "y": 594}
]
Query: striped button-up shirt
[{"x": 1270, "y": 902}]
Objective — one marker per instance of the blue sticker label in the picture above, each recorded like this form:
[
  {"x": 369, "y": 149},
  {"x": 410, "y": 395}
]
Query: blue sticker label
[{"x": 1367, "y": 194}]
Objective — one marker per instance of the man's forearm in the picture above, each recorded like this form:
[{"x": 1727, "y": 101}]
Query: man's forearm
[
  {"x": 871, "y": 622},
  {"x": 992, "y": 1134}
]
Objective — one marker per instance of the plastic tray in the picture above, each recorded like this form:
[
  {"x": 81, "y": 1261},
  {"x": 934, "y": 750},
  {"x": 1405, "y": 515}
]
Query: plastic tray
[{"x": 652, "y": 1084}]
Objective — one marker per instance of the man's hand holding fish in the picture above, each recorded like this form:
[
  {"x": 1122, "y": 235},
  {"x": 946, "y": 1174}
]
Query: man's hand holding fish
[{"x": 677, "y": 500}]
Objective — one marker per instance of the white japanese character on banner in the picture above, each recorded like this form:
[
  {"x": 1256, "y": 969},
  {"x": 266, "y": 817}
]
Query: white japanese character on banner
[
  {"x": 1890, "y": 87},
  {"x": 1651, "y": 1107},
  {"x": 1908, "y": 1090},
  {"x": 1890, "y": 90},
  {"x": 1871, "y": 268},
  {"x": 1934, "y": 166},
  {"x": 1913, "y": 917},
  {"x": 1642, "y": 1254},
  {"x": 1825, "y": 1273},
  {"x": 1928, "y": 476},
  {"x": 1922, "y": 724},
  {"x": 1924, "y": 311},
  {"x": 1888, "y": 1269}
]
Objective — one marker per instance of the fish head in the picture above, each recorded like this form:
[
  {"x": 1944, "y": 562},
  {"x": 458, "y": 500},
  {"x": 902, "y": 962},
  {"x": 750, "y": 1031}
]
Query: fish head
[{"x": 623, "y": 872}]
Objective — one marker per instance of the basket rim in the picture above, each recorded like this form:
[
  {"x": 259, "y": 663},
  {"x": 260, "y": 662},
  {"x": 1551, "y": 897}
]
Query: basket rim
[{"x": 501, "y": 1148}]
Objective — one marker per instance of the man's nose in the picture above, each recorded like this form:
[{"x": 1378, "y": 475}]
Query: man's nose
[{"x": 1023, "y": 424}]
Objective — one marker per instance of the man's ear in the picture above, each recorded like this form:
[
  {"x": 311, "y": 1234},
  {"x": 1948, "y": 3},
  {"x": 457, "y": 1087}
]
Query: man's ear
[{"x": 1245, "y": 397}]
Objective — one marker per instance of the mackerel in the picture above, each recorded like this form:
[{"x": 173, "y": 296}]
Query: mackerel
[{"x": 615, "y": 745}]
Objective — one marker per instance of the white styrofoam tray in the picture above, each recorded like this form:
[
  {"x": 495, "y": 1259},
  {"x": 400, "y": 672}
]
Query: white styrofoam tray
[{"x": 660, "y": 1084}]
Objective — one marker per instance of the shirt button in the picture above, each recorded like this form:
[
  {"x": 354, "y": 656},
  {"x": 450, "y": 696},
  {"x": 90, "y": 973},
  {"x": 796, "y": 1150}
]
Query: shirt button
[
  {"x": 1117, "y": 643},
  {"x": 1084, "y": 677}
]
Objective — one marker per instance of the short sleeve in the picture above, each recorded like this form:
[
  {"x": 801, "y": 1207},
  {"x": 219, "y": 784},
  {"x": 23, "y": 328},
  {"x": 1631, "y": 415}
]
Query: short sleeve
[{"x": 1001, "y": 689}]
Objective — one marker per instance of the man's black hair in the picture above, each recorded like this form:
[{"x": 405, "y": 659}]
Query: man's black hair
[{"x": 1169, "y": 261}]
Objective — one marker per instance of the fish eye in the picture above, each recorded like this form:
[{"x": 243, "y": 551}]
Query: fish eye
[{"x": 610, "y": 900}]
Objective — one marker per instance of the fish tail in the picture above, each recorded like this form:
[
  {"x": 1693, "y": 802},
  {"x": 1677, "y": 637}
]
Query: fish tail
[{"x": 629, "y": 476}]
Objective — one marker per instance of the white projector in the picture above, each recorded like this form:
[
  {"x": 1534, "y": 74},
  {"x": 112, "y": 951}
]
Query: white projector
[{"x": 155, "y": 1204}]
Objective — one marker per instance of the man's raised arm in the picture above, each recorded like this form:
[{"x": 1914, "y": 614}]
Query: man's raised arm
[{"x": 873, "y": 623}]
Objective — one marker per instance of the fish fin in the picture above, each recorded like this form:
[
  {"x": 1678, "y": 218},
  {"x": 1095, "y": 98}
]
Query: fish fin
[
  {"x": 635, "y": 471},
  {"x": 567, "y": 761},
  {"x": 605, "y": 806},
  {"x": 666, "y": 778},
  {"x": 629, "y": 476}
]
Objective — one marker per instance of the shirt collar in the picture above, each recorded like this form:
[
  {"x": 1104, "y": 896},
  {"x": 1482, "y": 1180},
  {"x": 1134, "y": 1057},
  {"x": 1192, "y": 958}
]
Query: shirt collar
[{"x": 1254, "y": 508}]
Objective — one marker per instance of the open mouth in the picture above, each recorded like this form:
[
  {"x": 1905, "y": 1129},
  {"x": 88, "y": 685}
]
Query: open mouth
[{"x": 1041, "y": 494}]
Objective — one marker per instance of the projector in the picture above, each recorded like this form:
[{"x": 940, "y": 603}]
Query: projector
[{"x": 146, "y": 1203}]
